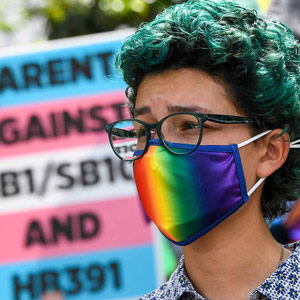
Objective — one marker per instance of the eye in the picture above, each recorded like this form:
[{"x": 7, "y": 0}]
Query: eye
[{"x": 189, "y": 126}]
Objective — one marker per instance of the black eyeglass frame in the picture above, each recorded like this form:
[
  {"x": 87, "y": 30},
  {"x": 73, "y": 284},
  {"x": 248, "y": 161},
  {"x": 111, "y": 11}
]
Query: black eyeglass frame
[{"x": 202, "y": 118}]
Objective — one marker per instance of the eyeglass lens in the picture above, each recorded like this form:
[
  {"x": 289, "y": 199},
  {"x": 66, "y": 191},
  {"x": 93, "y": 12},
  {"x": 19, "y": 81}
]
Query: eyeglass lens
[
  {"x": 181, "y": 128},
  {"x": 129, "y": 136}
]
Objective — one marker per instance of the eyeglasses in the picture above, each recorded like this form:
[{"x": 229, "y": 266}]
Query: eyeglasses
[{"x": 129, "y": 138}]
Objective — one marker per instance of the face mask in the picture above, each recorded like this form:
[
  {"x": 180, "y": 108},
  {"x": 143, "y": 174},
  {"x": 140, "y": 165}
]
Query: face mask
[{"x": 187, "y": 196}]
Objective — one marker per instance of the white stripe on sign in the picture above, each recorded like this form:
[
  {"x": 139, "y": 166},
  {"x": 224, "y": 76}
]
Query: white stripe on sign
[{"x": 63, "y": 177}]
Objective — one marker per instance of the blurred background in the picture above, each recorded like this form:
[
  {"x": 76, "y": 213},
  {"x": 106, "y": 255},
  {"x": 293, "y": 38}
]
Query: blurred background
[
  {"x": 27, "y": 21},
  {"x": 71, "y": 225}
]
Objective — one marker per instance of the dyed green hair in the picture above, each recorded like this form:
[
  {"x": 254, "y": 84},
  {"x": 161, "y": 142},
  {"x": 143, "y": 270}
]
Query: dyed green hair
[{"x": 256, "y": 59}]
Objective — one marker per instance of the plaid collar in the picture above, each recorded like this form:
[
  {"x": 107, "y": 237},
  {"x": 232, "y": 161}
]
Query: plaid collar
[{"x": 283, "y": 284}]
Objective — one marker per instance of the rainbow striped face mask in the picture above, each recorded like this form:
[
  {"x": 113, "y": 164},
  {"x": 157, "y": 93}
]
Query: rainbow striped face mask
[{"x": 187, "y": 196}]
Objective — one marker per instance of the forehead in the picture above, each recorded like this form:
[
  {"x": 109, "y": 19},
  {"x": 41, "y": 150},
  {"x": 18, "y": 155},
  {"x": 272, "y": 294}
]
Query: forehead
[{"x": 185, "y": 87}]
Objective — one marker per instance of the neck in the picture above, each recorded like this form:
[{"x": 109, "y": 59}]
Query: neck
[{"x": 235, "y": 256}]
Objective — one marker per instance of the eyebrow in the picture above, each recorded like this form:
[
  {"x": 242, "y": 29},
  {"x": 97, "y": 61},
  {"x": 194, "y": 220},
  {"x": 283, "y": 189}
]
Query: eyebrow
[
  {"x": 193, "y": 108},
  {"x": 141, "y": 111},
  {"x": 172, "y": 109}
]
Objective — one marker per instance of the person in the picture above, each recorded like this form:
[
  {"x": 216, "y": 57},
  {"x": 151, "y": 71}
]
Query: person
[
  {"x": 213, "y": 90},
  {"x": 287, "y": 228}
]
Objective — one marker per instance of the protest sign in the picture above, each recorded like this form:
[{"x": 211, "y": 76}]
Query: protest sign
[{"x": 70, "y": 219}]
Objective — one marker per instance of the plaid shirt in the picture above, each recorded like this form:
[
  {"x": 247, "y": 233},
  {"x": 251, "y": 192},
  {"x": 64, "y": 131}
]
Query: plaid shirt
[{"x": 283, "y": 284}]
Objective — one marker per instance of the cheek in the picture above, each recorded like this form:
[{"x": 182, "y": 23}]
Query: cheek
[{"x": 250, "y": 164}]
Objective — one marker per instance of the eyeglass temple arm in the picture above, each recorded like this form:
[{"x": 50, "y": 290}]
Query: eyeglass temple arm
[{"x": 229, "y": 119}]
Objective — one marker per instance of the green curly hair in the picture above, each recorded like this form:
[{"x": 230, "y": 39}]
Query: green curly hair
[{"x": 256, "y": 59}]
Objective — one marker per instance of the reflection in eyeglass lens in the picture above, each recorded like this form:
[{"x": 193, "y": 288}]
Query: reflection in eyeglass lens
[{"x": 125, "y": 138}]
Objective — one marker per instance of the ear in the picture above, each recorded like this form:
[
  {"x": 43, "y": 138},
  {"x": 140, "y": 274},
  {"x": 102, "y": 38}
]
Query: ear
[{"x": 275, "y": 150}]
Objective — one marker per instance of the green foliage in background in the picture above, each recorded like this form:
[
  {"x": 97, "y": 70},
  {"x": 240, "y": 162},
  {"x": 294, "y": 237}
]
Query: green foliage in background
[
  {"x": 67, "y": 18},
  {"x": 5, "y": 26}
]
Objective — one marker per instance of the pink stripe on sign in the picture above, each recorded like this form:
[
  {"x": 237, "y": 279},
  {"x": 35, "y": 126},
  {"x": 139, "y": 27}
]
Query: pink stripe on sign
[
  {"x": 59, "y": 124},
  {"x": 73, "y": 229}
]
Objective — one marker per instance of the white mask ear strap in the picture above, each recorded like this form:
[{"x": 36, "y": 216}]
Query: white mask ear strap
[
  {"x": 256, "y": 185},
  {"x": 295, "y": 144},
  {"x": 254, "y": 138}
]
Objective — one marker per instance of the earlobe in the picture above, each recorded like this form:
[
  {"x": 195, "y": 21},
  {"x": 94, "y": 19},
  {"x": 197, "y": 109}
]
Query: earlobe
[{"x": 275, "y": 150}]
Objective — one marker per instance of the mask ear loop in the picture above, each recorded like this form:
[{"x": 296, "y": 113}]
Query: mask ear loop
[
  {"x": 254, "y": 138},
  {"x": 293, "y": 144},
  {"x": 256, "y": 185}
]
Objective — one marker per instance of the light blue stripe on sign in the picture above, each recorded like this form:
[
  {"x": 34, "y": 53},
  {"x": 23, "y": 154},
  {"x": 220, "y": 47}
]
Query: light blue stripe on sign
[
  {"x": 60, "y": 73},
  {"x": 116, "y": 274}
]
